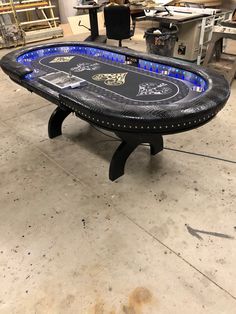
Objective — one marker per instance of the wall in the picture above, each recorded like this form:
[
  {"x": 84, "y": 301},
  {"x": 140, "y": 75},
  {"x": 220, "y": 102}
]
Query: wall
[
  {"x": 66, "y": 9},
  {"x": 56, "y": 10},
  {"x": 229, "y": 4}
]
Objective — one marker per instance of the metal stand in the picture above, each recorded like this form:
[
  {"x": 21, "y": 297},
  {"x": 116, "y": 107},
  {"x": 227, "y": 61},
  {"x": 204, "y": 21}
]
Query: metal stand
[{"x": 93, "y": 19}]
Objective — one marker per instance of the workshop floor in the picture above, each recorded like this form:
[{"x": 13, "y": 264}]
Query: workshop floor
[{"x": 73, "y": 242}]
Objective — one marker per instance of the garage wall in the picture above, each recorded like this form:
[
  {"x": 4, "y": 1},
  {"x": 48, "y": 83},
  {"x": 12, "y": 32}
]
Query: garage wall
[
  {"x": 229, "y": 4},
  {"x": 66, "y": 9},
  {"x": 56, "y": 10}
]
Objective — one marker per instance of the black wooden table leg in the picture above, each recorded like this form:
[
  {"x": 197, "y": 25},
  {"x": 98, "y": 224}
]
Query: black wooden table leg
[
  {"x": 117, "y": 165},
  {"x": 56, "y": 120},
  {"x": 156, "y": 144},
  {"x": 130, "y": 141}
]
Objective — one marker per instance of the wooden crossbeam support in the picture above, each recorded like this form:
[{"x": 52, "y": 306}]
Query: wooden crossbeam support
[{"x": 24, "y": 6}]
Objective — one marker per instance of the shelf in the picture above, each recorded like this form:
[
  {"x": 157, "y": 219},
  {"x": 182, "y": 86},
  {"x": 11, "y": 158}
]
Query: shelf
[
  {"x": 28, "y": 9},
  {"x": 28, "y": 21},
  {"x": 22, "y": 2},
  {"x": 38, "y": 35},
  {"x": 39, "y": 21},
  {"x": 26, "y": 5}
]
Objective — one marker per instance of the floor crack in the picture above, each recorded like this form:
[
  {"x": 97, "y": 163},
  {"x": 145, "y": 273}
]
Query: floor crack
[{"x": 179, "y": 256}]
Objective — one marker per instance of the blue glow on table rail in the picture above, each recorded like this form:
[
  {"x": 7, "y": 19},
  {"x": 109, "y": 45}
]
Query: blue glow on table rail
[
  {"x": 163, "y": 69},
  {"x": 28, "y": 57},
  {"x": 199, "y": 84}
]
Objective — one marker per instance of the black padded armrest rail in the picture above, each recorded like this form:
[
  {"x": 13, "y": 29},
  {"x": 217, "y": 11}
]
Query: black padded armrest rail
[{"x": 13, "y": 68}]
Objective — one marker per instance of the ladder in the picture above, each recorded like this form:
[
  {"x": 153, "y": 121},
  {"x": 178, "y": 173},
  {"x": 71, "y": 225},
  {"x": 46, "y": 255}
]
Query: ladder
[{"x": 33, "y": 19}]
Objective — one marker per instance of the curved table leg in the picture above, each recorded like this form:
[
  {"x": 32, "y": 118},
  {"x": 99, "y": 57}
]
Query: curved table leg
[
  {"x": 56, "y": 120},
  {"x": 130, "y": 141},
  {"x": 156, "y": 145},
  {"x": 117, "y": 165}
]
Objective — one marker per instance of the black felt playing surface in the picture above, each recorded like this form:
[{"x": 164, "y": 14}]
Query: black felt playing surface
[{"x": 115, "y": 79}]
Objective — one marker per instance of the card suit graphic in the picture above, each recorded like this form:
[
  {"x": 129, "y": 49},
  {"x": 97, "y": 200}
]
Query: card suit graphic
[
  {"x": 146, "y": 89},
  {"x": 111, "y": 79},
  {"x": 86, "y": 66}
]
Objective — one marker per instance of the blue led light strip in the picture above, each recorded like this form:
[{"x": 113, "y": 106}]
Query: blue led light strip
[
  {"x": 200, "y": 85},
  {"x": 28, "y": 57},
  {"x": 178, "y": 73}
]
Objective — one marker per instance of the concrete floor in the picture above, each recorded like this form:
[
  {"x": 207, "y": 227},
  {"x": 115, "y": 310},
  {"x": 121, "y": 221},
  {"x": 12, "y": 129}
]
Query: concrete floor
[{"x": 71, "y": 241}]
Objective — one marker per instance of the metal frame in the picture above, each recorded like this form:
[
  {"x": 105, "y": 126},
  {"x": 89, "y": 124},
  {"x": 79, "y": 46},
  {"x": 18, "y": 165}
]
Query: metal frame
[{"x": 208, "y": 24}]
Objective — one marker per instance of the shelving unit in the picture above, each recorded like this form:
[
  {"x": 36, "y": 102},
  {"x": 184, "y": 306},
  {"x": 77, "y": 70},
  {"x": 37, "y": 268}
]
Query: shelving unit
[{"x": 27, "y": 21}]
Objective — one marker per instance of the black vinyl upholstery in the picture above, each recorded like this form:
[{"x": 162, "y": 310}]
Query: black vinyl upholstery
[{"x": 117, "y": 21}]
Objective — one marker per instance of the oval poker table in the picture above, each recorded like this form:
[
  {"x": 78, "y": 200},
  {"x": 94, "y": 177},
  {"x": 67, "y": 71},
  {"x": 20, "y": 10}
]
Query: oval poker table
[{"x": 138, "y": 96}]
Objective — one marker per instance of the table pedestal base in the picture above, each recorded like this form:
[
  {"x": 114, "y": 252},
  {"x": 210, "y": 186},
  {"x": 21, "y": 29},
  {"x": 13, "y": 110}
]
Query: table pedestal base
[
  {"x": 99, "y": 39},
  {"x": 56, "y": 120},
  {"x": 130, "y": 141}
]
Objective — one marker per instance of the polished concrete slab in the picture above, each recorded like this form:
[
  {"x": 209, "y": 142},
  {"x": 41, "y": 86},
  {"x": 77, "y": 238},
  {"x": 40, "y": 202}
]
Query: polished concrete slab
[{"x": 161, "y": 239}]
